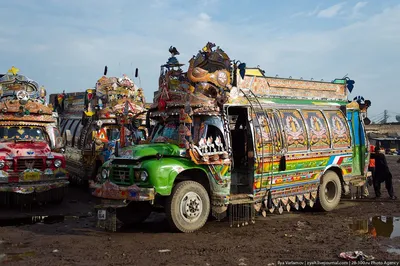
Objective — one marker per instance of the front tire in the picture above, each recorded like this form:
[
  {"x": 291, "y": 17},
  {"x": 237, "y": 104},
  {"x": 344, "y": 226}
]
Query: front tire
[
  {"x": 188, "y": 207},
  {"x": 329, "y": 192},
  {"x": 134, "y": 213}
]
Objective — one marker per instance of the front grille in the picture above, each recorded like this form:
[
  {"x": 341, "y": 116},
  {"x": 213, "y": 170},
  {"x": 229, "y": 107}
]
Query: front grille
[
  {"x": 120, "y": 175},
  {"x": 23, "y": 164}
]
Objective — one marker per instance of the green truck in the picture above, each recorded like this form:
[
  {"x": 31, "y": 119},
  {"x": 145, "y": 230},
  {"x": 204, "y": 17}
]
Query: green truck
[{"x": 231, "y": 141}]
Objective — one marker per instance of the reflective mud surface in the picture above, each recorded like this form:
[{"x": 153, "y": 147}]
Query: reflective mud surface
[
  {"x": 300, "y": 235},
  {"x": 378, "y": 226}
]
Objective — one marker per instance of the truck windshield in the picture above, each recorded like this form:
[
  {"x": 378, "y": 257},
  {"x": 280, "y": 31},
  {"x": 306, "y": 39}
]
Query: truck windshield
[
  {"x": 24, "y": 133},
  {"x": 167, "y": 131}
]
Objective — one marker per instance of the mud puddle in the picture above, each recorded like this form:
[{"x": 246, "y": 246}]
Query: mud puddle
[
  {"x": 52, "y": 219},
  {"x": 393, "y": 250},
  {"x": 13, "y": 256},
  {"x": 377, "y": 226}
]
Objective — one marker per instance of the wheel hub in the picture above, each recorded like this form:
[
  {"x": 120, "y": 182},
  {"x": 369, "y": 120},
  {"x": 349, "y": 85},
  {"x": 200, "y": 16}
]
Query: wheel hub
[
  {"x": 191, "y": 207},
  {"x": 330, "y": 191}
]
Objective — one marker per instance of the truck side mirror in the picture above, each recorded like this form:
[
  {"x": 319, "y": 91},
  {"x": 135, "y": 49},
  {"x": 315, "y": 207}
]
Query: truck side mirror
[{"x": 136, "y": 72}]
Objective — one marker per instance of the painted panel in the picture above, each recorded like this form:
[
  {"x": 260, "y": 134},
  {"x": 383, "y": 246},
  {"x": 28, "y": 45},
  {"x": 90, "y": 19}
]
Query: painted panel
[
  {"x": 294, "y": 128},
  {"x": 268, "y": 136},
  {"x": 339, "y": 129},
  {"x": 317, "y": 129}
]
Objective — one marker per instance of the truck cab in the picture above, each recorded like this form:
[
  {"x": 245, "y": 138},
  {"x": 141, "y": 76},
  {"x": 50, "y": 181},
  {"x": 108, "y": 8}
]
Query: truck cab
[
  {"x": 32, "y": 163},
  {"x": 95, "y": 120}
]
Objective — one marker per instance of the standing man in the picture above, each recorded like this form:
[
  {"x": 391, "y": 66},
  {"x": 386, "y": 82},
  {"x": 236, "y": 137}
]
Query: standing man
[
  {"x": 371, "y": 166},
  {"x": 382, "y": 174}
]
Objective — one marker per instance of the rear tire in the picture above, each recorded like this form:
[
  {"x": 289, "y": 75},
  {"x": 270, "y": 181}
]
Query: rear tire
[
  {"x": 136, "y": 212},
  {"x": 188, "y": 207},
  {"x": 329, "y": 191}
]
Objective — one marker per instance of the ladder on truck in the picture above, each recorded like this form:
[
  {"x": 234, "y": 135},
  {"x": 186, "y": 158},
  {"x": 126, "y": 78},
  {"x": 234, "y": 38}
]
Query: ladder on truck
[
  {"x": 253, "y": 101},
  {"x": 242, "y": 211}
]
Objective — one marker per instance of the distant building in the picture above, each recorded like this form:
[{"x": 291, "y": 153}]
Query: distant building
[{"x": 385, "y": 135}]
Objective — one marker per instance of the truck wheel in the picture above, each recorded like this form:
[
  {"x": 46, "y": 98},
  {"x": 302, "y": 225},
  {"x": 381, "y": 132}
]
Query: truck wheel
[
  {"x": 134, "y": 213},
  {"x": 187, "y": 207},
  {"x": 329, "y": 192}
]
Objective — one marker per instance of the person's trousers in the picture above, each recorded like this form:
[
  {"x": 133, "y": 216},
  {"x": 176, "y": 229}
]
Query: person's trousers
[{"x": 377, "y": 185}]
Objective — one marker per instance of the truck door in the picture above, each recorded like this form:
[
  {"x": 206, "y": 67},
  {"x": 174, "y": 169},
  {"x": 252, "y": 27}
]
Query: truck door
[
  {"x": 267, "y": 146},
  {"x": 242, "y": 171},
  {"x": 360, "y": 151}
]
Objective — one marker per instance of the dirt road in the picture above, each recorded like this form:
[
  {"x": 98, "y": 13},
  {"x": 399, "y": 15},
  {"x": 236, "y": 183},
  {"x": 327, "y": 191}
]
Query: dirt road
[{"x": 301, "y": 235}]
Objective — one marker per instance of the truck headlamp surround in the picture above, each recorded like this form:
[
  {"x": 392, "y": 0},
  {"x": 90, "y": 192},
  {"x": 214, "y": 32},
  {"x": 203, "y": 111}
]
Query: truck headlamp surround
[
  {"x": 2, "y": 164},
  {"x": 57, "y": 163},
  {"x": 104, "y": 173},
  {"x": 143, "y": 176}
]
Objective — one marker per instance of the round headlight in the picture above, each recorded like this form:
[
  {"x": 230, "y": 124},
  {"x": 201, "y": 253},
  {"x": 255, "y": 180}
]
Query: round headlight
[
  {"x": 57, "y": 163},
  {"x": 2, "y": 163},
  {"x": 143, "y": 176},
  {"x": 104, "y": 173}
]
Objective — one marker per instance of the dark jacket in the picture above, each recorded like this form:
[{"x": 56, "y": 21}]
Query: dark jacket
[{"x": 381, "y": 167}]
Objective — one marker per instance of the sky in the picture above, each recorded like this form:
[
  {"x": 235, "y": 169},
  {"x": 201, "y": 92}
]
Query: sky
[{"x": 64, "y": 45}]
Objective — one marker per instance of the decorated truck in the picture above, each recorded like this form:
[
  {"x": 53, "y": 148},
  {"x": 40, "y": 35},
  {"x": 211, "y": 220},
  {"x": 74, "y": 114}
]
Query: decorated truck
[
  {"x": 91, "y": 122},
  {"x": 32, "y": 165},
  {"x": 231, "y": 141}
]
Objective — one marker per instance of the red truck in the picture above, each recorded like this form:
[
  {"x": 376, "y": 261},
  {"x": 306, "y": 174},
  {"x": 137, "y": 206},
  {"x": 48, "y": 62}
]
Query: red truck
[{"x": 32, "y": 164}]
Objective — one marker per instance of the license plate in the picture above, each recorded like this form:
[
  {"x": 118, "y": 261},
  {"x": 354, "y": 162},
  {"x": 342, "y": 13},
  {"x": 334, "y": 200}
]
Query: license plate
[
  {"x": 31, "y": 176},
  {"x": 101, "y": 214}
]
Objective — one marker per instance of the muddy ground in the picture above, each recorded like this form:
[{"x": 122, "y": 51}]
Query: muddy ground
[{"x": 301, "y": 235}]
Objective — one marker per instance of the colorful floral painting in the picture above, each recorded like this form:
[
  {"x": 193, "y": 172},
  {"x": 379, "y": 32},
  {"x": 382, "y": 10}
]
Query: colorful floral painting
[
  {"x": 318, "y": 130},
  {"x": 268, "y": 137},
  {"x": 340, "y": 130},
  {"x": 296, "y": 134}
]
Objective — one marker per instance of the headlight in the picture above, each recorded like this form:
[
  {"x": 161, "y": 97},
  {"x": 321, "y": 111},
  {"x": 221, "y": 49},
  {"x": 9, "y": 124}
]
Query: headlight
[
  {"x": 2, "y": 163},
  {"x": 104, "y": 173},
  {"x": 143, "y": 176},
  {"x": 57, "y": 163}
]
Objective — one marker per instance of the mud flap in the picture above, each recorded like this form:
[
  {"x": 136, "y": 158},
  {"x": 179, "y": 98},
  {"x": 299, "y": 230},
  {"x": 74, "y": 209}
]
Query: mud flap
[
  {"x": 106, "y": 213},
  {"x": 107, "y": 219},
  {"x": 241, "y": 214}
]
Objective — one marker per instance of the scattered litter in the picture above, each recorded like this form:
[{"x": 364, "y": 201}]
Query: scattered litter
[
  {"x": 311, "y": 237},
  {"x": 241, "y": 260},
  {"x": 55, "y": 251},
  {"x": 164, "y": 250},
  {"x": 286, "y": 235},
  {"x": 355, "y": 256},
  {"x": 303, "y": 223}
]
